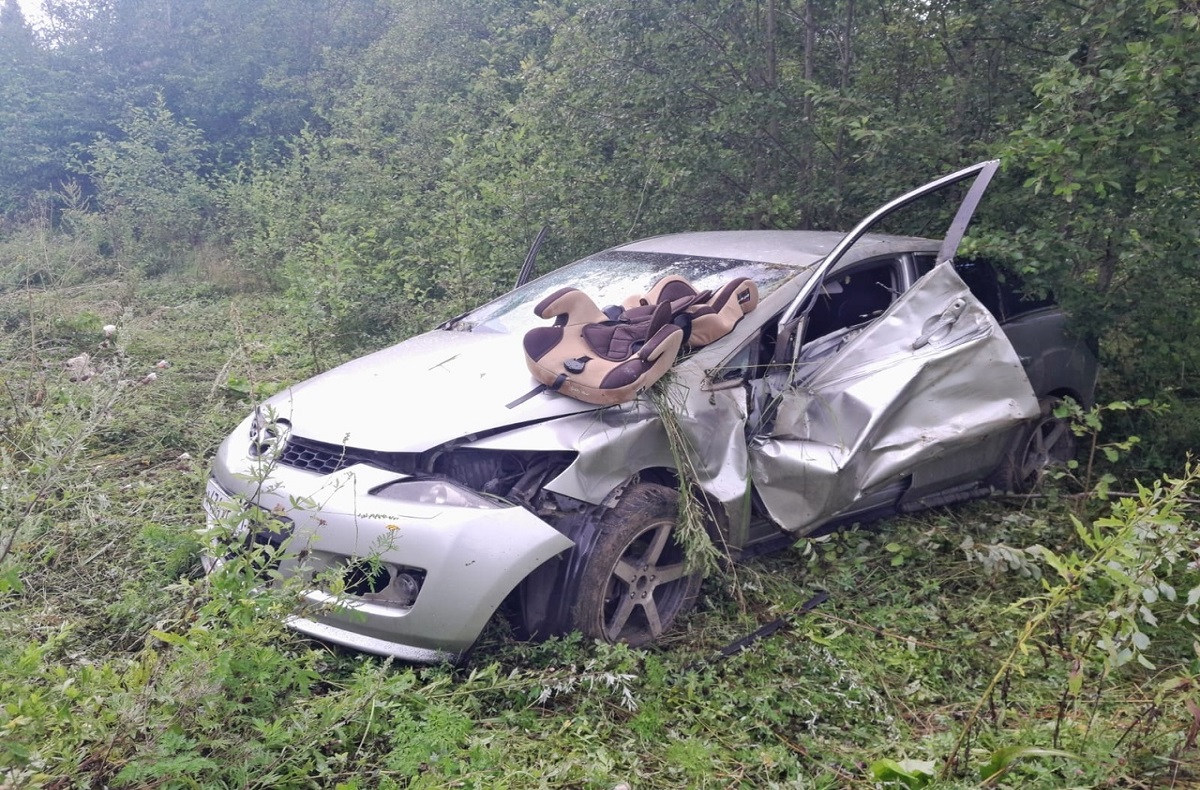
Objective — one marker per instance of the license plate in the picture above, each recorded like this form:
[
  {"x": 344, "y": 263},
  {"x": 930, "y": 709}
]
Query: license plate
[{"x": 216, "y": 503}]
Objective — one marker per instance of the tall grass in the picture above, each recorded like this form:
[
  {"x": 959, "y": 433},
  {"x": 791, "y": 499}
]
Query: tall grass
[{"x": 122, "y": 665}]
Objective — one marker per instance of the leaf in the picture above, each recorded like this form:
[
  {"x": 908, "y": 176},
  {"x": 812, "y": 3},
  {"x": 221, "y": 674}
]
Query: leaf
[
  {"x": 1193, "y": 596},
  {"x": 1006, "y": 757},
  {"x": 10, "y": 582},
  {"x": 169, "y": 638},
  {"x": 1075, "y": 681},
  {"x": 238, "y": 386},
  {"x": 913, "y": 774},
  {"x": 1172, "y": 684}
]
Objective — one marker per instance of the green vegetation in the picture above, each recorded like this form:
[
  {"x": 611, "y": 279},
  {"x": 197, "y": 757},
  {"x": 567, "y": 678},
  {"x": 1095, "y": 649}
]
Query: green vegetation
[
  {"x": 375, "y": 157},
  {"x": 251, "y": 191},
  {"x": 1038, "y": 642}
]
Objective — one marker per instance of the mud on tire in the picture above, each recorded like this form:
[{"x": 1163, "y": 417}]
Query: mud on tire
[{"x": 634, "y": 585}]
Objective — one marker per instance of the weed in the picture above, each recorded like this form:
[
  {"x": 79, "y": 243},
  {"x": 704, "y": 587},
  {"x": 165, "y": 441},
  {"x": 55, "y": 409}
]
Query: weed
[{"x": 125, "y": 666}]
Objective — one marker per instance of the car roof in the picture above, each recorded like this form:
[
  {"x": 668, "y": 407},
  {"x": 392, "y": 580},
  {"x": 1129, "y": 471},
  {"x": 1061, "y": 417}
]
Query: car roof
[{"x": 788, "y": 247}]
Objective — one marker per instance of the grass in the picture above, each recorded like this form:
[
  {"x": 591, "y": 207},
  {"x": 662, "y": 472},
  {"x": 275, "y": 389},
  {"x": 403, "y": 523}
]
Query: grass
[{"x": 121, "y": 665}]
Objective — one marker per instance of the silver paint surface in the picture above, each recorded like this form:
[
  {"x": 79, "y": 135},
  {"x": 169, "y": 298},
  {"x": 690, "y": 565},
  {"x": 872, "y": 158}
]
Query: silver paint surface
[{"x": 880, "y": 408}]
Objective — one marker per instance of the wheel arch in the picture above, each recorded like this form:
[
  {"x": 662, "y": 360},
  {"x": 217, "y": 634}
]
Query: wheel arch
[
  {"x": 546, "y": 596},
  {"x": 718, "y": 519},
  {"x": 1065, "y": 392}
]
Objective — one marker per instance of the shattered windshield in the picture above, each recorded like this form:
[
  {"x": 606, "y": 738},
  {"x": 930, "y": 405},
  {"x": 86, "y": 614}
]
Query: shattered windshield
[{"x": 609, "y": 278}]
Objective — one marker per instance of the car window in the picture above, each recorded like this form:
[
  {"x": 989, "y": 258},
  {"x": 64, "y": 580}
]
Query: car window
[
  {"x": 854, "y": 297},
  {"x": 752, "y": 360},
  {"x": 1001, "y": 292},
  {"x": 609, "y": 278},
  {"x": 1017, "y": 300},
  {"x": 847, "y": 299}
]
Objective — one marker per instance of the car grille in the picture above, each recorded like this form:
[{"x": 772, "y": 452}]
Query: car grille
[
  {"x": 324, "y": 459},
  {"x": 301, "y": 454}
]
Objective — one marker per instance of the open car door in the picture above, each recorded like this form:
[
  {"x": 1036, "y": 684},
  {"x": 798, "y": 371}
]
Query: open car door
[{"x": 924, "y": 393}]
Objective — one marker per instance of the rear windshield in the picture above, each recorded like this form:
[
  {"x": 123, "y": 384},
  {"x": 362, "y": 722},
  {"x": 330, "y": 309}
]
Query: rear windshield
[{"x": 609, "y": 278}]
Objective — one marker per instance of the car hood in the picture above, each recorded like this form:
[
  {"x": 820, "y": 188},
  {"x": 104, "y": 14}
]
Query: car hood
[{"x": 422, "y": 393}]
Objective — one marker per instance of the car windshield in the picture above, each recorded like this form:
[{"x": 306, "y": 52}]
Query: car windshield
[{"x": 609, "y": 278}]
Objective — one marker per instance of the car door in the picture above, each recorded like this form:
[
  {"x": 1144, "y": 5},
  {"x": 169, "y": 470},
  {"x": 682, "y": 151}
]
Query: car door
[{"x": 927, "y": 390}]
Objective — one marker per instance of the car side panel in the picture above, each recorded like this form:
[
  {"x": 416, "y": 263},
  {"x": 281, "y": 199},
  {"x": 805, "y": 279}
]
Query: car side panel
[{"x": 1054, "y": 360}]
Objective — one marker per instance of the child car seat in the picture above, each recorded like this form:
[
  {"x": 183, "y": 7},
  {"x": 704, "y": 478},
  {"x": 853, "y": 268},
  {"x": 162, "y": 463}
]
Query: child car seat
[
  {"x": 592, "y": 358},
  {"x": 609, "y": 356},
  {"x": 706, "y": 316}
]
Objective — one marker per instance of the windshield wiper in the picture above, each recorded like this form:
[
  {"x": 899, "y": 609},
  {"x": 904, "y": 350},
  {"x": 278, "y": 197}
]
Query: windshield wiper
[{"x": 457, "y": 324}]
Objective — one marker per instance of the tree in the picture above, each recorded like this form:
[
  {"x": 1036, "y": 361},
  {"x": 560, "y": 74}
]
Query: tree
[
  {"x": 23, "y": 163},
  {"x": 16, "y": 37},
  {"x": 1110, "y": 158},
  {"x": 149, "y": 186}
]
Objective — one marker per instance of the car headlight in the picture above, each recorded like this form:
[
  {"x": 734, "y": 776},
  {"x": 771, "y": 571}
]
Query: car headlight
[
  {"x": 433, "y": 492},
  {"x": 268, "y": 434}
]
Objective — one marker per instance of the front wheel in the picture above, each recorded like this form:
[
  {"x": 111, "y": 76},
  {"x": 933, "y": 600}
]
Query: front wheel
[{"x": 635, "y": 584}]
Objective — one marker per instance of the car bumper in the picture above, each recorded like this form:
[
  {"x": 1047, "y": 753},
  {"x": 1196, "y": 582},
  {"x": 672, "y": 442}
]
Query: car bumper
[{"x": 464, "y": 561}]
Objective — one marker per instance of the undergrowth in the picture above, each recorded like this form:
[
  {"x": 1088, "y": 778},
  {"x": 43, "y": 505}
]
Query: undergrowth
[{"x": 1044, "y": 641}]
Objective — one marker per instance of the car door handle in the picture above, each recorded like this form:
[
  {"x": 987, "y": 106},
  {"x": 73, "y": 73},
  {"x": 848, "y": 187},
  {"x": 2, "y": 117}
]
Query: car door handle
[{"x": 946, "y": 320}]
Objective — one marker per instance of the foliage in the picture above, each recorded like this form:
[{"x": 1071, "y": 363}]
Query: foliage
[
  {"x": 154, "y": 200},
  {"x": 365, "y": 156},
  {"x": 256, "y": 190},
  {"x": 1109, "y": 594},
  {"x": 126, "y": 666},
  {"x": 695, "y": 525},
  {"x": 1109, "y": 157}
]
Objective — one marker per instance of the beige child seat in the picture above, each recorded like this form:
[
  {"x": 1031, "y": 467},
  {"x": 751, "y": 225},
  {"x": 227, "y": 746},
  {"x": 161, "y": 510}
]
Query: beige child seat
[
  {"x": 707, "y": 316},
  {"x": 609, "y": 357}
]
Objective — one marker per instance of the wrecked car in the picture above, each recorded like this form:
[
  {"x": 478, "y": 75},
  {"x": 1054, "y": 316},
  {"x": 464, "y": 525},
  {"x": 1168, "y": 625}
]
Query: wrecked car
[{"x": 438, "y": 478}]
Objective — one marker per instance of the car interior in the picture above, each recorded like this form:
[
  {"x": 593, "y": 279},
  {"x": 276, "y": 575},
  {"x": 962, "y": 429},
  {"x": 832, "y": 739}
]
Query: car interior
[{"x": 853, "y": 298}]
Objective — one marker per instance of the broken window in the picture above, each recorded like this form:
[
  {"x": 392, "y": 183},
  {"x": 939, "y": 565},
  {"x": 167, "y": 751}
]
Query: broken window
[{"x": 852, "y": 298}]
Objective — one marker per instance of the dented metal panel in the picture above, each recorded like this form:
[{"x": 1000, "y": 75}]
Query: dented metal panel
[
  {"x": 934, "y": 375},
  {"x": 617, "y": 443}
]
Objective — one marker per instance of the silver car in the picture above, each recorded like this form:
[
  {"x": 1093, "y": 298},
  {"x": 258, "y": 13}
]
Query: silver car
[{"x": 436, "y": 480}]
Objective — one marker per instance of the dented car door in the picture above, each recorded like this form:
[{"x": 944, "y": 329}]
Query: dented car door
[
  {"x": 930, "y": 390},
  {"x": 932, "y": 381}
]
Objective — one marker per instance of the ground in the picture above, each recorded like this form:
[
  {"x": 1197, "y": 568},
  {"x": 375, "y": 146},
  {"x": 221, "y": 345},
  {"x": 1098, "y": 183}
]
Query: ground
[{"x": 941, "y": 651}]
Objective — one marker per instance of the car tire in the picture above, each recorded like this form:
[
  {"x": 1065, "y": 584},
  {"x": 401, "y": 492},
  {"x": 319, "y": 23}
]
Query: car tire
[
  {"x": 634, "y": 584},
  {"x": 1045, "y": 443}
]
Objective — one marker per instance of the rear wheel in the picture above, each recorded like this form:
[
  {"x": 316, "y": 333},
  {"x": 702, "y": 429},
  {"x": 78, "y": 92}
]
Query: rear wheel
[
  {"x": 635, "y": 584},
  {"x": 1048, "y": 442}
]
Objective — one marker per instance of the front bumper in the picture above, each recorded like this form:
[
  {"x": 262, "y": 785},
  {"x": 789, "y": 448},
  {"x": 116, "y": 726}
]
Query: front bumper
[{"x": 465, "y": 560}]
